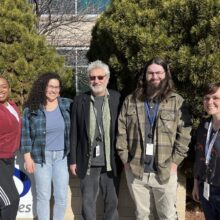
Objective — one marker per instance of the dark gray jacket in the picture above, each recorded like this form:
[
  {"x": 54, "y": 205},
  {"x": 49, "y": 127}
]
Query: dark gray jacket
[{"x": 79, "y": 139}]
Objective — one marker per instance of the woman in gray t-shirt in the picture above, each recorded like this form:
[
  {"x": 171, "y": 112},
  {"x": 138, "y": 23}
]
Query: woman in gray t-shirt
[{"x": 45, "y": 143}]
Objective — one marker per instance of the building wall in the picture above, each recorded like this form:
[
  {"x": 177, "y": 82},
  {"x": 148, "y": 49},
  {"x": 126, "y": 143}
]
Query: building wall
[{"x": 125, "y": 206}]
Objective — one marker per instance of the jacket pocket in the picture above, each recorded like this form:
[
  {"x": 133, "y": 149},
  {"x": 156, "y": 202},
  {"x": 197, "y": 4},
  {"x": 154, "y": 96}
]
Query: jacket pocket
[
  {"x": 168, "y": 115},
  {"x": 131, "y": 117},
  {"x": 131, "y": 112},
  {"x": 168, "y": 121}
]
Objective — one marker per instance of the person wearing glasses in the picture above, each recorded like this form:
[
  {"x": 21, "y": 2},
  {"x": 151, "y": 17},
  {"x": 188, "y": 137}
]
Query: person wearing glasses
[
  {"x": 207, "y": 155},
  {"x": 10, "y": 130},
  {"x": 45, "y": 143},
  {"x": 93, "y": 156},
  {"x": 153, "y": 135}
]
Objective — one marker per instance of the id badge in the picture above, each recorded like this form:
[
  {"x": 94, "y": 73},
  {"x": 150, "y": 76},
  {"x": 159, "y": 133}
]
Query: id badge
[
  {"x": 206, "y": 190},
  {"x": 97, "y": 151},
  {"x": 149, "y": 149}
]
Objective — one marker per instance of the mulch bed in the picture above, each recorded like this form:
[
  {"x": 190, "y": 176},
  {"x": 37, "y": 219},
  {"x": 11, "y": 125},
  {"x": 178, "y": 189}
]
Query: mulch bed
[{"x": 194, "y": 215}]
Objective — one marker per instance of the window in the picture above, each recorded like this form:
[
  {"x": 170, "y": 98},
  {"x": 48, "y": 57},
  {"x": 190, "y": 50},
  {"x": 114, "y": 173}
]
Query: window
[
  {"x": 62, "y": 7},
  {"x": 82, "y": 81},
  {"x": 92, "y": 6},
  {"x": 75, "y": 57},
  {"x": 71, "y": 6},
  {"x": 69, "y": 55}
]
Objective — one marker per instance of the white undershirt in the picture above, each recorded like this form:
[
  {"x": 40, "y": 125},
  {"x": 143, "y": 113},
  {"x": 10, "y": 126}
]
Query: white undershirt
[{"x": 12, "y": 111}]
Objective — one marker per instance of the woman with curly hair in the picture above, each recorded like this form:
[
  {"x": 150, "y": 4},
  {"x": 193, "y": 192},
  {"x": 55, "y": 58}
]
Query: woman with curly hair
[
  {"x": 45, "y": 143},
  {"x": 10, "y": 130}
]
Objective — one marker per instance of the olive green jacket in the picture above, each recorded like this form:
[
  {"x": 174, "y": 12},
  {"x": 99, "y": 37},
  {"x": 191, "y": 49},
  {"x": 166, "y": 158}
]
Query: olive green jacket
[{"x": 171, "y": 134}]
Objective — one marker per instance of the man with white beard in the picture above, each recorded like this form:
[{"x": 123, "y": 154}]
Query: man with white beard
[{"x": 93, "y": 157}]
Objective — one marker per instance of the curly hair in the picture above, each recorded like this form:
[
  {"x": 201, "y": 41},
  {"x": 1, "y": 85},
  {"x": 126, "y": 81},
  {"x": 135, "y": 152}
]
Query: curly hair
[
  {"x": 142, "y": 85},
  {"x": 37, "y": 96}
]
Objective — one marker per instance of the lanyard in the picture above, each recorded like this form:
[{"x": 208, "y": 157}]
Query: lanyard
[
  {"x": 98, "y": 125},
  {"x": 209, "y": 143},
  {"x": 150, "y": 117}
]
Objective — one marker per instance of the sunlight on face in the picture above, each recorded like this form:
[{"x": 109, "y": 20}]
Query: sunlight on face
[
  {"x": 211, "y": 103},
  {"x": 98, "y": 81},
  {"x": 53, "y": 90},
  {"x": 4, "y": 90},
  {"x": 155, "y": 74}
]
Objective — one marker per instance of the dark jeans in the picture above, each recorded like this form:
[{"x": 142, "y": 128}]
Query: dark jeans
[
  {"x": 90, "y": 185},
  {"x": 9, "y": 197},
  {"x": 211, "y": 207}
]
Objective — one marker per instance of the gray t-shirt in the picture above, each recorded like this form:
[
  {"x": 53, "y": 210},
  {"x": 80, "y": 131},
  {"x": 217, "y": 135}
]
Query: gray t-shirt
[
  {"x": 98, "y": 156},
  {"x": 55, "y": 128}
]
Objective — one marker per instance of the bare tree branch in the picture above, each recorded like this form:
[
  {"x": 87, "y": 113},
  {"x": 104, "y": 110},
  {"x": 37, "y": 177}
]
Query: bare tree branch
[{"x": 68, "y": 23}]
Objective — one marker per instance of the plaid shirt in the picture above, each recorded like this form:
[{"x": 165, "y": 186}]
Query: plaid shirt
[
  {"x": 171, "y": 135},
  {"x": 33, "y": 138}
]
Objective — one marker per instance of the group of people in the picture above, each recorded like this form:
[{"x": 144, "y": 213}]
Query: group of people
[{"x": 97, "y": 134}]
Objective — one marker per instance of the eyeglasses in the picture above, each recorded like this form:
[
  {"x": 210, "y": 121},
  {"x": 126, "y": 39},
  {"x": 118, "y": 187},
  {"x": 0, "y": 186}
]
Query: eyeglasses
[
  {"x": 92, "y": 78},
  {"x": 53, "y": 87},
  {"x": 157, "y": 73}
]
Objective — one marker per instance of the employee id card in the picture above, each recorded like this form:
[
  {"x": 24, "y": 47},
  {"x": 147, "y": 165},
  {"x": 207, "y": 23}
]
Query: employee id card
[
  {"x": 149, "y": 149},
  {"x": 206, "y": 190},
  {"x": 97, "y": 151}
]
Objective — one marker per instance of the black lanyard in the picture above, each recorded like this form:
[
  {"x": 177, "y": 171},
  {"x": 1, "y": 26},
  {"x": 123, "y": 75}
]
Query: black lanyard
[{"x": 100, "y": 138}]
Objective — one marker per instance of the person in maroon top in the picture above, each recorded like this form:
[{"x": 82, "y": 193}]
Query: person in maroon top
[{"x": 10, "y": 130}]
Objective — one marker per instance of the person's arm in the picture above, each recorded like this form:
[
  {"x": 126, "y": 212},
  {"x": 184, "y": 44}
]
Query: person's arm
[
  {"x": 184, "y": 127},
  {"x": 195, "y": 192},
  {"x": 173, "y": 168},
  {"x": 73, "y": 138},
  {"x": 121, "y": 143},
  {"x": 73, "y": 169},
  {"x": 26, "y": 143},
  {"x": 29, "y": 164},
  {"x": 197, "y": 167}
]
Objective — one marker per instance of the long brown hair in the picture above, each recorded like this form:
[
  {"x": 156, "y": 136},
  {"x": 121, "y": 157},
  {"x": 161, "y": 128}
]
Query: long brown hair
[{"x": 142, "y": 85}]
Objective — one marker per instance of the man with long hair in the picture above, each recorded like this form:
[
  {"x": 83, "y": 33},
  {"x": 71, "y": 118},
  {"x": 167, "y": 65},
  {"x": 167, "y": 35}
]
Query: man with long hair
[{"x": 153, "y": 134}]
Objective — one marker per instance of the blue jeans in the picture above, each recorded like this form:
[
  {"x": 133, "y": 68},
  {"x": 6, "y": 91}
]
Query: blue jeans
[
  {"x": 210, "y": 207},
  {"x": 90, "y": 185},
  {"x": 54, "y": 171}
]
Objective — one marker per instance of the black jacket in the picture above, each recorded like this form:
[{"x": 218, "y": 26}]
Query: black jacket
[
  {"x": 79, "y": 139},
  {"x": 212, "y": 171}
]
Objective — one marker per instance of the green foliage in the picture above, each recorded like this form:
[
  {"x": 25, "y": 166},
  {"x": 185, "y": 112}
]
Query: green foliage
[
  {"x": 67, "y": 81},
  {"x": 185, "y": 32},
  {"x": 24, "y": 54}
]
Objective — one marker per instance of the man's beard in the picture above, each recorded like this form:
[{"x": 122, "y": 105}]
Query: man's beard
[
  {"x": 155, "y": 91},
  {"x": 98, "y": 89}
]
